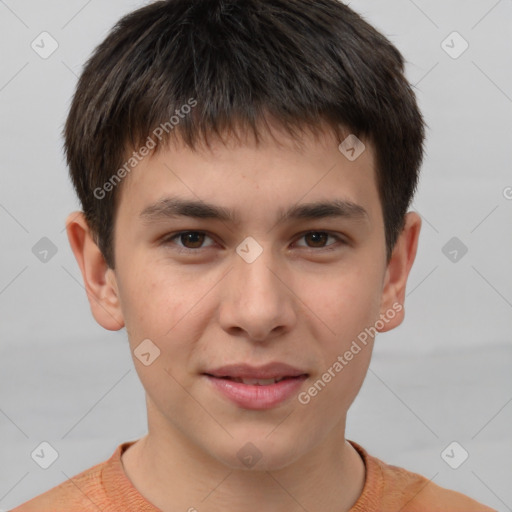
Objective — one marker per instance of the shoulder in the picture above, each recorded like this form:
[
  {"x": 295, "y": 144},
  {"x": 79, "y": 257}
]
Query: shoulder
[
  {"x": 416, "y": 493},
  {"x": 81, "y": 492},
  {"x": 390, "y": 488}
]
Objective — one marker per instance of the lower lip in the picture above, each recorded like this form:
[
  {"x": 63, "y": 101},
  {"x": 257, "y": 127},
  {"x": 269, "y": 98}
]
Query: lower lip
[{"x": 257, "y": 397}]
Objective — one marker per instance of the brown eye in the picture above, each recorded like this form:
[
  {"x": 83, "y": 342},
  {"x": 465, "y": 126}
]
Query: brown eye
[
  {"x": 190, "y": 240},
  {"x": 194, "y": 238},
  {"x": 318, "y": 239}
]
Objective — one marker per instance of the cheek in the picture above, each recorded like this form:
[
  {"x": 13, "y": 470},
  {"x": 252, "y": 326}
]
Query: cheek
[
  {"x": 169, "y": 308},
  {"x": 347, "y": 303},
  {"x": 154, "y": 302}
]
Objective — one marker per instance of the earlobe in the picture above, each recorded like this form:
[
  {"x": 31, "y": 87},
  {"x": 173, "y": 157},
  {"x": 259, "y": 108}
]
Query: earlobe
[
  {"x": 397, "y": 272},
  {"x": 99, "y": 280}
]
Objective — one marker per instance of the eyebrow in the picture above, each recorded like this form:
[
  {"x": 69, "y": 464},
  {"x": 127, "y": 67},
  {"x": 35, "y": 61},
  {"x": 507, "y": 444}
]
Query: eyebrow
[{"x": 172, "y": 207}]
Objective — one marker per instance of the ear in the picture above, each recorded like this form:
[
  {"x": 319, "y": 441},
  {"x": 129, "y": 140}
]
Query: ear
[
  {"x": 397, "y": 272},
  {"x": 99, "y": 280}
]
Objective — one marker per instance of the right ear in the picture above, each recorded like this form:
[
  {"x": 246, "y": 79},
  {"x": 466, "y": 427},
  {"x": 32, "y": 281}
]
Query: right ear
[{"x": 99, "y": 280}]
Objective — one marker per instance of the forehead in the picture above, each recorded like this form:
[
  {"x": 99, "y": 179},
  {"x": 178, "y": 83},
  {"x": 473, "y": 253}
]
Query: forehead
[{"x": 231, "y": 173}]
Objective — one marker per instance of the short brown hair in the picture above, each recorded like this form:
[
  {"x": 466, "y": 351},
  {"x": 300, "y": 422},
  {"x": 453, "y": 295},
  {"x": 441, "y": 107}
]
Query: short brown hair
[{"x": 301, "y": 62}]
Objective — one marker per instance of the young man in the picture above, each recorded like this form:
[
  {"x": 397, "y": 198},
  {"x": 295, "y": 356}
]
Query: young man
[{"x": 245, "y": 169}]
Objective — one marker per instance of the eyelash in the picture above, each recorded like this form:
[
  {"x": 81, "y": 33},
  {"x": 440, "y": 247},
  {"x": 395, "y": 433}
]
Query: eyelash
[{"x": 168, "y": 240}]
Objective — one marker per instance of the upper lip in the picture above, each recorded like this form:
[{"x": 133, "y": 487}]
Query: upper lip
[{"x": 245, "y": 371}]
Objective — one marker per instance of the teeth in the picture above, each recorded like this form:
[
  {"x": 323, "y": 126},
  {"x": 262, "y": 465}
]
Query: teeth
[
  {"x": 258, "y": 382},
  {"x": 255, "y": 382}
]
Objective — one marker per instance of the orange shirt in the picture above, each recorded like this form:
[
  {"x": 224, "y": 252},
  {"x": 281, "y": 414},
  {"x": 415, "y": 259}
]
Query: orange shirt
[{"x": 387, "y": 488}]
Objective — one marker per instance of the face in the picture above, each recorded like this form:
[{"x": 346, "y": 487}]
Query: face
[{"x": 197, "y": 292}]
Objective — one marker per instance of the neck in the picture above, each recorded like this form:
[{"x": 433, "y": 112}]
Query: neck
[{"x": 171, "y": 477}]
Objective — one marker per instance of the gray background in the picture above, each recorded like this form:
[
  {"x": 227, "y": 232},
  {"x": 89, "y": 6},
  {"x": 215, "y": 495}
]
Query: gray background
[{"x": 442, "y": 376}]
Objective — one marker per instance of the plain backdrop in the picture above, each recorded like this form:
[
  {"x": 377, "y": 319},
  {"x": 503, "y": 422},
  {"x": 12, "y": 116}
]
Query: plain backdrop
[{"x": 444, "y": 375}]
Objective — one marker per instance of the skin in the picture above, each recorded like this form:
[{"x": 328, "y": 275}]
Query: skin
[{"x": 296, "y": 303}]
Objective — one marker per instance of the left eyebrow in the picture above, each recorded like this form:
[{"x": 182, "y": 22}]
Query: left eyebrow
[{"x": 172, "y": 207}]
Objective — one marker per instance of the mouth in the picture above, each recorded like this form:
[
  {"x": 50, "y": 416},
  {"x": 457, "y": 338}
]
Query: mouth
[
  {"x": 258, "y": 382},
  {"x": 257, "y": 375},
  {"x": 256, "y": 388}
]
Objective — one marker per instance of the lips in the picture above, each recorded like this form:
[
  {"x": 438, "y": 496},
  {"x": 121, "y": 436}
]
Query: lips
[
  {"x": 256, "y": 388},
  {"x": 257, "y": 375}
]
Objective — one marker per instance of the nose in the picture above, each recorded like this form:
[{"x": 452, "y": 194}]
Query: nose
[{"x": 258, "y": 300}]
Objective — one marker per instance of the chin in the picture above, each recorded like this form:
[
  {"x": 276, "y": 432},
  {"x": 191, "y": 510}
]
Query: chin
[{"x": 258, "y": 453}]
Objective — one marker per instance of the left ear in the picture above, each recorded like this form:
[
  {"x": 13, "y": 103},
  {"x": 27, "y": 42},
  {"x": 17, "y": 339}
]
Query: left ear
[{"x": 397, "y": 272}]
